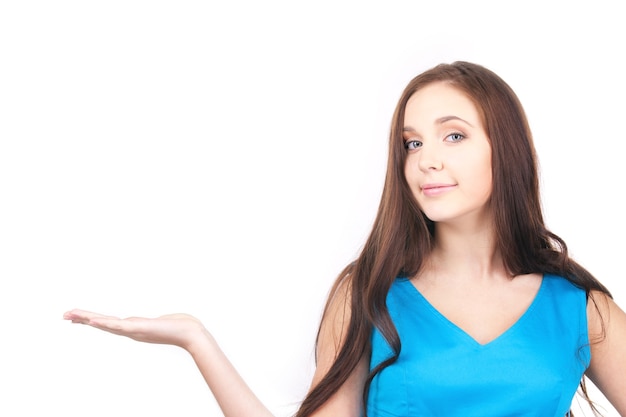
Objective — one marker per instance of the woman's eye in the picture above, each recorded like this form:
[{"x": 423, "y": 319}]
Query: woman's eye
[
  {"x": 455, "y": 137},
  {"x": 412, "y": 144}
]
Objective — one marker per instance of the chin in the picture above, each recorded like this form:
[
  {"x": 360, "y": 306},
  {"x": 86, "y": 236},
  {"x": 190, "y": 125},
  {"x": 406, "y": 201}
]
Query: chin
[
  {"x": 437, "y": 217},
  {"x": 442, "y": 216}
]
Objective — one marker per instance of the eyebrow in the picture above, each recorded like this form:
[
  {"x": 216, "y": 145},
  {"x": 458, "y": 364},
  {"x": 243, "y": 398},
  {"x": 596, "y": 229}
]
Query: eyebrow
[
  {"x": 444, "y": 119},
  {"x": 440, "y": 121}
]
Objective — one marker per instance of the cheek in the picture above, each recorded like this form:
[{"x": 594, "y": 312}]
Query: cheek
[
  {"x": 488, "y": 184},
  {"x": 484, "y": 178},
  {"x": 476, "y": 171},
  {"x": 410, "y": 173},
  {"x": 411, "y": 176}
]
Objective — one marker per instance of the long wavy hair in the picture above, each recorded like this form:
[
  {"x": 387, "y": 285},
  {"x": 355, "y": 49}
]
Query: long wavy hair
[{"x": 402, "y": 236}]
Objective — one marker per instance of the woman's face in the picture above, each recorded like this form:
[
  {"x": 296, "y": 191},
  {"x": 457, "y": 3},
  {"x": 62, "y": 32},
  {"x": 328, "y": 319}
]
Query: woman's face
[{"x": 448, "y": 165}]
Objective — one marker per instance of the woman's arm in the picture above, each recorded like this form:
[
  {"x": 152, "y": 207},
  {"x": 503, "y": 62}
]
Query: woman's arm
[
  {"x": 607, "y": 335},
  {"x": 348, "y": 400},
  {"x": 231, "y": 392}
]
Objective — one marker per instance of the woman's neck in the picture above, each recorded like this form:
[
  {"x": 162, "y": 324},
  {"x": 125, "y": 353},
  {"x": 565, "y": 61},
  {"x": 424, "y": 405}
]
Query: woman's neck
[{"x": 469, "y": 252}]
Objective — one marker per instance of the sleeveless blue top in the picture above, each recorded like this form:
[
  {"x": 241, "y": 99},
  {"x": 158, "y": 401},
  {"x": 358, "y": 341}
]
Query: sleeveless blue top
[{"x": 533, "y": 369}]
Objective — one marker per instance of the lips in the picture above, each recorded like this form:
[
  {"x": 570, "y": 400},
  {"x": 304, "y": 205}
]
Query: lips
[{"x": 437, "y": 189}]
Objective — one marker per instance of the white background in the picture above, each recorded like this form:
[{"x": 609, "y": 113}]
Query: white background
[{"x": 227, "y": 161}]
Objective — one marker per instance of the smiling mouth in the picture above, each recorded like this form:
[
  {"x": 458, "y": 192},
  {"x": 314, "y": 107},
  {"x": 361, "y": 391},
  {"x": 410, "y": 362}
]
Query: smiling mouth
[{"x": 437, "y": 189}]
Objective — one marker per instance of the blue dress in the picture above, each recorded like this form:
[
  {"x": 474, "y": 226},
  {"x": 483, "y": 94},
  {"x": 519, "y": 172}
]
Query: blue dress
[{"x": 533, "y": 369}]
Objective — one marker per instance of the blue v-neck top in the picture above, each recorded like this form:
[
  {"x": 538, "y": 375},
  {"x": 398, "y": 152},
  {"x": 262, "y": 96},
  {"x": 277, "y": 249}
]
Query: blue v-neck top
[{"x": 532, "y": 369}]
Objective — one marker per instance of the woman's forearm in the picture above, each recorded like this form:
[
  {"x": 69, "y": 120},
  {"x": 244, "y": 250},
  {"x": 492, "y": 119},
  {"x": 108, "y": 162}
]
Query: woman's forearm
[{"x": 233, "y": 395}]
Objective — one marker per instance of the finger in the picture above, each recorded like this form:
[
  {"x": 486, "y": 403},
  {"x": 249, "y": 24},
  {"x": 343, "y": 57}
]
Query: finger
[
  {"x": 111, "y": 324},
  {"x": 83, "y": 316},
  {"x": 134, "y": 327}
]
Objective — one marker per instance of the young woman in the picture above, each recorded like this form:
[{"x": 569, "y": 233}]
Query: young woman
[{"x": 462, "y": 302}]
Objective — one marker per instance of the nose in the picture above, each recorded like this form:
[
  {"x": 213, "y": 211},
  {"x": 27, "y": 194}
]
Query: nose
[{"x": 430, "y": 158}]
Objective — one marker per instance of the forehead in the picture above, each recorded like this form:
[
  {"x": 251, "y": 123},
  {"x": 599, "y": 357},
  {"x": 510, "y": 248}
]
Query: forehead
[{"x": 439, "y": 100}]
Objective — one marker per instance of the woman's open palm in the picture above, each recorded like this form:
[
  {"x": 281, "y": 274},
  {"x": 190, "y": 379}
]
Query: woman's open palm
[{"x": 171, "y": 329}]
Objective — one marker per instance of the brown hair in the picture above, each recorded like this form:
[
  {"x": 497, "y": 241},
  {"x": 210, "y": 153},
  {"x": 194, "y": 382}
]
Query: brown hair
[{"x": 402, "y": 236}]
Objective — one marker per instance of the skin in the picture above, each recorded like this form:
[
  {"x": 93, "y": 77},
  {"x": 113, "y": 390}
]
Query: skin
[
  {"x": 608, "y": 356},
  {"x": 448, "y": 168},
  {"x": 443, "y": 126}
]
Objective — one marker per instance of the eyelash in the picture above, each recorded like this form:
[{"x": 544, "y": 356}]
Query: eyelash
[
  {"x": 408, "y": 143},
  {"x": 460, "y": 135}
]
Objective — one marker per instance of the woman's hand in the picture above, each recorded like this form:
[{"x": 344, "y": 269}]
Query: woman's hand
[
  {"x": 172, "y": 329},
  {"x": 231, "y": 391}
]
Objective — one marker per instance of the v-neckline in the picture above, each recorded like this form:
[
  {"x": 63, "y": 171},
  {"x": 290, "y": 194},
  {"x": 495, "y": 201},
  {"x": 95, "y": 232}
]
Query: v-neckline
[{"x": 464, "y": 333}]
